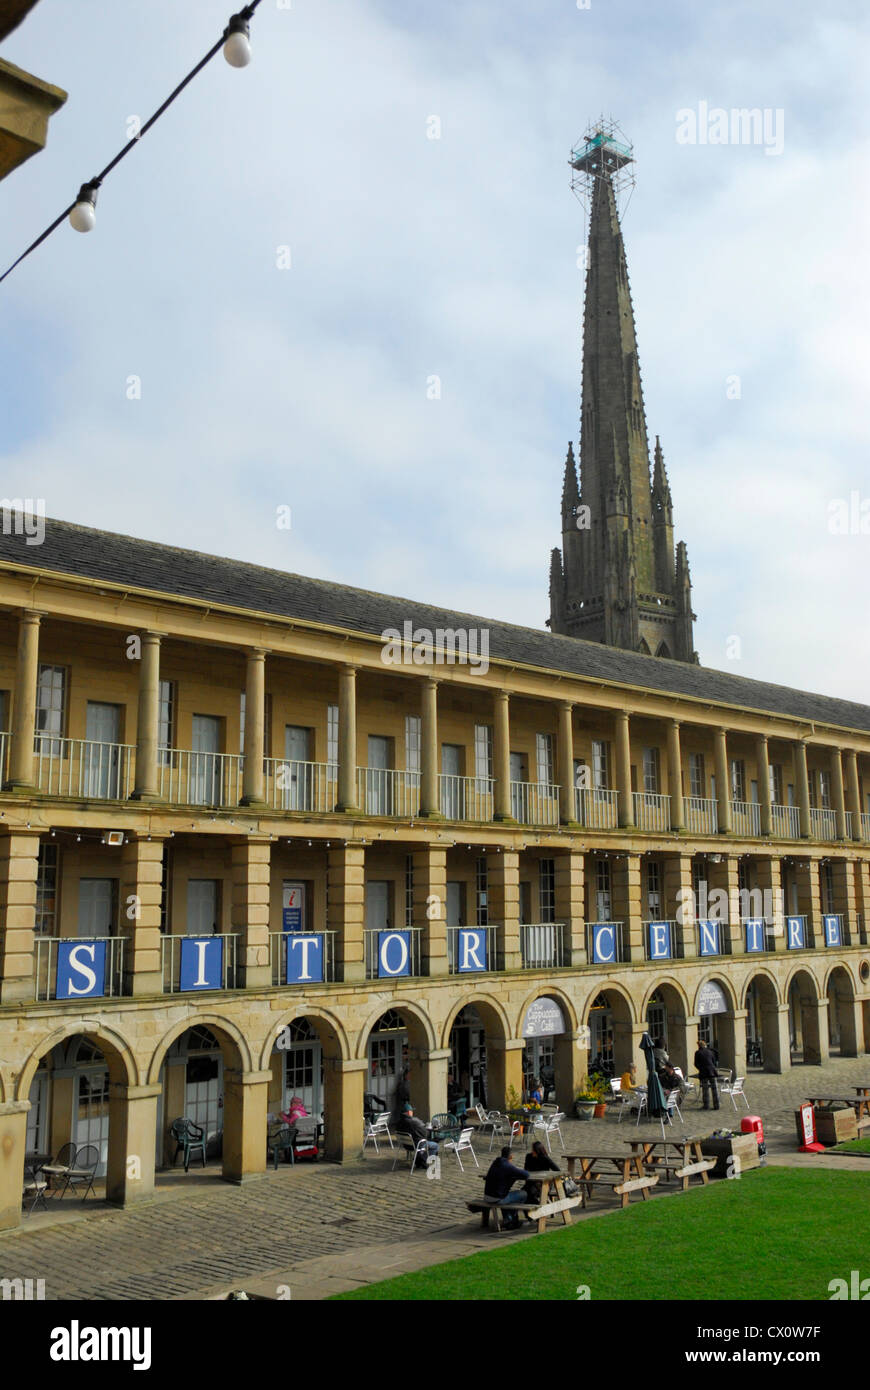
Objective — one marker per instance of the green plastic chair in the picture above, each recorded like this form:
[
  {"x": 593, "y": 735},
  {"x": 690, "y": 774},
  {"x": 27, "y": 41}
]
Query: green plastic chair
[
  {"x": 281, "y": 1140},
  {"x": 189, "y": 1139}
]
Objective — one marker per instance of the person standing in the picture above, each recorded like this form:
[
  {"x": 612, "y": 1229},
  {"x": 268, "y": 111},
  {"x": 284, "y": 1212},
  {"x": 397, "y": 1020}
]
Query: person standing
[{"x": 705, "y": 1065}]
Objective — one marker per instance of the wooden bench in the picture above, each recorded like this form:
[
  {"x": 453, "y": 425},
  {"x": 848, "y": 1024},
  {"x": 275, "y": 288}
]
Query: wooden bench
[{"x": 491, "y": 1206}]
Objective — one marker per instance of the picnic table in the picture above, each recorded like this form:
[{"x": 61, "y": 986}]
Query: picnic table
[
  {"x": 623, "y": 1173},
  {"x": 554, "y": 1202},
  {"x": 688, "y": 1161},
  {"x": 860, "y": 1104}
]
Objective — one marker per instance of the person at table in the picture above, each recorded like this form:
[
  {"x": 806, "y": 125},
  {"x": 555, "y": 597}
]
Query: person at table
[
  {"x": 295, "y": 1111},
  {"x": 536, "y": 1092},
  {"x": 671, "y": 1080},
  {"x": 538, "y": 1161},
  {"x": 705, "y": 1065},
  {"x": 500, "y": 1178},
  {"x": 660, "y": 1054},
  {"x": 408, "y": 1123},
  {"x": 628, "y": 1081}
]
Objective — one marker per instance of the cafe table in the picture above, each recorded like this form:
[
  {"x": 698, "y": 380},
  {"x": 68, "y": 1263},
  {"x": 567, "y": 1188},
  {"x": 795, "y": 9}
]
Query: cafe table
[
  {"x": 860, "y": 1104},
  {"x": 688, "y": 1160}
]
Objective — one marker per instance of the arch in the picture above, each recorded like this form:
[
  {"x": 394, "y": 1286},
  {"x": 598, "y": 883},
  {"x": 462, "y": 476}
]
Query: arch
[
  {"x": 2, "y": 1089},
  {"x": 224, "y": 1030},
  {"x": 808, "y": 1026},
  {"x": 644, "y": 647},
  {"x": 609, "y": 987},
  {"x": 488, "y": 1007},
  {"x": 663, "y": 650},
  {"x": 844, "y": 1028},
  {"x": 844, "y": 966},
  {"x": 120, "y": 1060},
  {"x": 541, "y": 991},
  {"x": 420, "y": 1031},
  {"x": 762, "y": 973},
  {"x": 802, "y": 970},
  {"x": 334, "y": 1031},
  {"x": 666, "y": 982}
]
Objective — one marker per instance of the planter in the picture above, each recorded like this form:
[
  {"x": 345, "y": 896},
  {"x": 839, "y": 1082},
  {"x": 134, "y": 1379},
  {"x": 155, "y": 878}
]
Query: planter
[
  {"x": 600, "y": 1110},
  {"x": 833, "y": 1126},
  {"x": 743, "y": 1147},
  {"x": 584, "y": 1109}
]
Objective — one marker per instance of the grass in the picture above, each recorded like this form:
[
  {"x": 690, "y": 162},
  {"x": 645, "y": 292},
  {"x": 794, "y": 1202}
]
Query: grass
[
  {"x": 853, "y": 1146},
  {"x": 776, "y": 1233}
]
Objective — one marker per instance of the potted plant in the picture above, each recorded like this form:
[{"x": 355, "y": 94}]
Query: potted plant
[
  {"x": 514, "y": 1107},
  {"x": 590, "y": 1098}
]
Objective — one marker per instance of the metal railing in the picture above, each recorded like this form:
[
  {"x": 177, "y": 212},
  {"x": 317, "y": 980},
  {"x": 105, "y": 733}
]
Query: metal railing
[
  {"x": 387, "y": 791},
  {"x": 621, "y": 945},
  {"x": 45, "y": 966},
  {"x": 675, "y": 947},
  {"x": 652, "y": 811},
  {"x": 542, "y": 945},
  {"x": 535, "y": 803},
  {"x": 702, "y": 815},
  {"x": 865, "y": 826},
  {"x": 490, "y": 934},
  {"x": 371, "y": 937},
  {"x": 465, "y": 798},
  {"x": 768, "y": 932},
  {"x": 823, "y": 823},
  {"x": 5, "y": 745},
  {"x": 199, "y": 779},
  {"x": 597, "y": 808},
  {"x": 170, "y": 959},
  {"x": 83, "y": 768},
  {"x": 701, "y": 935},
  {"x": 848, "y": 825},
  {"x": 746, "y": 817},
  {"x": 808, "y": 936},
  {"x": 300, "y": 786},
  {"x": 785, "y": 822},
  {"x": 278, "y": 955}
]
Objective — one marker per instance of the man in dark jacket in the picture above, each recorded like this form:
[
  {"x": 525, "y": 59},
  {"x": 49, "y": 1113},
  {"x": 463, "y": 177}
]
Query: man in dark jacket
[
  {"x": 409, "y": 1124},
  {"x": 500, "y": 1179},
  {"x": 705, "y": 1065}
]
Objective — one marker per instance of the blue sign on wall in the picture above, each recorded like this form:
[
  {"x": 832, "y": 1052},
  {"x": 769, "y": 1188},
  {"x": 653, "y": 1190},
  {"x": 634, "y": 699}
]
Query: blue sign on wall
[
  {"x": 659, "y": 940},
  {"x": 603, "y": 943},
  {"x": 202, "y": 959},
  {"x": 708, "y": 938},
  {"x": 304, "y": 957},
  {"x": 832, "y": 931},
  {"x": 292, "y": 918},
  {"x": 81, "y": 969},
  {"x": 754, "y": 933},
  {"x": 795, "y": 934},
  {"x": 470, "y": 950},
  {"x": 394, "y": 953}
]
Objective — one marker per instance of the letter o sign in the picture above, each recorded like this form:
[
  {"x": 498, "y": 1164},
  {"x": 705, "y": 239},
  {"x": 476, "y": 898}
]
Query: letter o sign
[{"x": 394, "y": 953}]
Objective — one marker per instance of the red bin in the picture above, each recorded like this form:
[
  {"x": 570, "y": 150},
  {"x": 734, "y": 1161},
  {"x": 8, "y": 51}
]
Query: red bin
[{"x": 751, "y": 1124}]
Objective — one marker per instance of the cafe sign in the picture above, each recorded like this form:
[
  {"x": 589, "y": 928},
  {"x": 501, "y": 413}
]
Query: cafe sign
[
  {"x": 543, "y": 1019},
  {"x": 711, "y": 999}
]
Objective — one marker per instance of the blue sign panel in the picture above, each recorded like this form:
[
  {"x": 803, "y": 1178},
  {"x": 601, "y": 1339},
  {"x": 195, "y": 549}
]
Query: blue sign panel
[
  {"x": 394, "y": 953},
  {"x": 795, "y": 933},
  {"x": 81, "y": 969},
  {"x": 603, "y": 943},
  {"x": 708, "y": 938},
  {"x": 304, "y": 957},
  {"x": 754, "y": 933},
  {"x": 202, "y": 959},
  {"x": 470, "y": 950},
  {"x": 659, "y": 940},
  {"x": 832, "y": 931},
  {"x": 292, "y": 918}
]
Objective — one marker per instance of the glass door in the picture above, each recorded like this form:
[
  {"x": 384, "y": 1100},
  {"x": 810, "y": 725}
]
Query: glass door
[
  {"x": 297, "y": 756},
  {"x": 205, "y": 784},
  {"x": 378, "y": 782},
  {"x": 96, "y": 907},
  {"x": 100, "y": 760},
  {"x": 452, "y": 798}
]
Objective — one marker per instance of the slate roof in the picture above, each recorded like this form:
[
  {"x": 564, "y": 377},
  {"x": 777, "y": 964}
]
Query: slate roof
[{"x": 137, "y": 564}]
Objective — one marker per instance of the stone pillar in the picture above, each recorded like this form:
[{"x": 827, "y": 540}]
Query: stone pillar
[
  {"x": 732, "y": 1040},
  {"x": 570, "y": 1061},
  {"x": 569, "y": 876},
  {"x": 347, "y": 754},
  {"x": 722, "y": 877},
  {"x": 430, "y": 804},
  {"x": 802, "y": 787},
  {"x": 675, "y": 776},
  {"x": 677, "y": 897},
  {"x": 723, "y": 781},
  {"x": 345, "y": 909},
  {"x": 148, "y": 719},
  {"x": 567, "y": 794},
  {"x": 255, "y": 728},
  {"x": 24, "y": 702},
  {"x": 862, "y": 898},
  {"x": 809, "y": 892},
  {"x": 843, "y": 872},
  {"x": 770, "y": 883},
  {"x": 682, "y": 1041},
  {"x": 501, "y": 756},
  {"x": 246, "y": 1104},
  {"x": 19, "y": 852},
  {"x": 838, "y": 793},
  {"x": 626, "y": 893},
  {"x": 174, "y": 1101},
  {"x": 763, "y": 761},
  {"x": 132, "y": 1134},
  {"x": 504, "y": 1068},
  {"x": 427, "y": 1080},
  {"x": 853, "y": 792},
  {"x": 140, "y": 890},
  {"x": 504, "y": 906},
  {"x": 814, "y": 1014},
  {"x": 775, "y": 1035},
  {"x": 625, "y": 804},
  {"x": 344, "y": 1084},
  {"x": 251, "y": 867},
  {"x": 13, "y": 1139},
  {"x": 430, "y": 906}
]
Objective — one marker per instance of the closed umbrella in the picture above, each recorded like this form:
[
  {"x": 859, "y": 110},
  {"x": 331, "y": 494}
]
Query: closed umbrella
[{"x": 655, "y": 1097}]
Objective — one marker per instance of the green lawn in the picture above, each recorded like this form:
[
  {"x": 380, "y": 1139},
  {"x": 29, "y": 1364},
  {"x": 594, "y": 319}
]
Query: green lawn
[
  {"x": 775, "y": 1233},
  {"x": 853, "y": 1146}
]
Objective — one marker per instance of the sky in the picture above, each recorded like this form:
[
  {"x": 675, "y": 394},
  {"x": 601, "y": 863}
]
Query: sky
[{"x": 345, "y": 280}]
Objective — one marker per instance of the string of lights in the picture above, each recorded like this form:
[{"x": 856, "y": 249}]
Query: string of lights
[{"x": 235, "y": 42}]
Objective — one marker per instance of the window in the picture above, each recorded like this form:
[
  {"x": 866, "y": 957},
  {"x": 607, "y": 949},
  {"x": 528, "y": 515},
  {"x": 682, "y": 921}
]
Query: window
[
  {"x": 409, "y": 890},
  {"x": 202, "y": 906},
  {"x": 46, "y": 889},
  {"x": 332, "y": 739},
  {"x": 481, "y": 881},
  {"x": 547, "y": 888},
  {"x": 600, "y": 765},
  {"x": 166, "y": 705},
  {"x": 651, "y": 771},
  {"x": 544, "y": 758},
  {"x": 775, "y": 776},
  {"x": 413, "y": 737},
  {"x": 653, "y": 889},
  {"x": 738, "y": 780},
  {"x": 697, "y": 779},
  {"x": 50, "y": 706},
  {"x": 824, "y": 790},
  {"x": 602, "y": 890},
  {"x": 827, "y": 885},
  {"x": 483, "y": 751}
]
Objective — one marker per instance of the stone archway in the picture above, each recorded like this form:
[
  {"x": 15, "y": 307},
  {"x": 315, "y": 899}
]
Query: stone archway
[
  {"x": 484, "y": 1058},
  {"x": 613, "y": 1032},
  {"x": 396, "y": 1040},
  {"x": 715, "y": 1008},
  {"x": 307, "y": 1053},
  {"x": 665, "y": 1011},
  {"x": 766, "y": 1033},
  {"x": 180, "y": 1068},
  {"x": 553, "y": 1051},
  {"x": 844, "y": 1021},
  {"x": 807, "y": 1019}
]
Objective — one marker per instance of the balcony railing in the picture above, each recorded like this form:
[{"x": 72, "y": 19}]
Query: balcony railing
[
  {"x": 391, "y": 959},
  {"x": 620, "y": 955},
  {"x": 542, "y": 945},
  {"x": 823, "y": 823},
  {"x": 5, "y": 745},
  {"x": 385, "y": 791},
  {"x": 703, "y": 932},
  {"x": 456, "y": 965},
  {"x": 278, "y": 957},
  {"x": 46, "y": 962},
  {"x": 785, "y": 822},
  {"x": 465, "y": 798},
  {"x": 83, "y": 768},
  {"x": 597, "y": 808},
  {"x": 298, "y": 786},
  {"x": 535, "y": 803},
  {"x": 223, "y": 978},
  {"x": 746, "y": 817},
  {"x": 761, "y": 937},
  {"x": 865, "y": 826},
  {"x": 199, "y": 779},
  {"x": 652, "y": 811},
  {"x": 702, "y": 815},
  {"x": 675, "y": 949},
  {"x": 844, "y": 929}
]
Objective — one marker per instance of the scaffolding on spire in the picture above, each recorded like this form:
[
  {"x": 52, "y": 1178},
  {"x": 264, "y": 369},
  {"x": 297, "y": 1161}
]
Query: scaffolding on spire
[{"x": 603, "y": 153}]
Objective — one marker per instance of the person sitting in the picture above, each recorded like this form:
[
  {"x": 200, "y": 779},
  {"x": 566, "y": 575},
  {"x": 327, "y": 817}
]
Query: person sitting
[
  {"x": 295, "y": 1110},
  {"x": 629, "y": 1079},
  {"x": 408, "y": 1123},
  {"x": 536, "y": 1092},
  {"x": 500, "y": 1178},
  {"x": 538, "y": 1161},
  {"x": 671, "y": 1081}
]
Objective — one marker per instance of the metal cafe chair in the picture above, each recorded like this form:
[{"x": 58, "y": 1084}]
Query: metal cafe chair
[
  {"x": 82, "y": 1174},
  {"x": 34, "y": 1188},
  {"x": 60, "y": 1166},
  {"x": 189, "y": 1139}
]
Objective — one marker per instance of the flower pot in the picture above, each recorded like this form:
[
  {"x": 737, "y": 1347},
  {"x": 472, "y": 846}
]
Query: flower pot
[
  {"x": 584, "y": 1109},
  {"x": 600, "y": 1110}
]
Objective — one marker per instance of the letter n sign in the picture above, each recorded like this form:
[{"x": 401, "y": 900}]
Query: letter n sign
[
  {"x": 81, "y": 969},
  {"x": 394, "y": 953},
  {"x": 202, "y": 959},
  {"x": 795, "y": 930},
  {"x": 603, "y": 943},
  {"x": 708, "y": 938},
  {"x": 832, "y": 931},
  {"x": 659, "y": 940},
  {"x": 472, "y": 951},
  {"x": 304, "y": 958}
]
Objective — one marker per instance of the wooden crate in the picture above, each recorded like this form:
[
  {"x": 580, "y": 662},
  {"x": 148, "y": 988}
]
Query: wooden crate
[
  {"x": 833, "y": 1126},
  {"x": 742, "y": 1146}
]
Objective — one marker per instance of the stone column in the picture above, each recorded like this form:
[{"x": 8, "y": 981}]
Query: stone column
[
  {"x": 723, "y": 781},
  {"x": 501, "y": 756},
  {"x": 677, "y": 896},
  {"x": 814, "y": 1013},
  {"x": 140, "y": 890},
  {"x": 148, "y": 718},
  {"x": 775, "y": 1035},
  {"x": 853, "y": 792},
  {"x": 430, "y": 803},
  {"x": 251, "y": 867},
  {"x": 504, "y": 906},
  {"x": 862, "y": 903},
  {"x": 732, "y": 1040},
  {"x": 675, "y": 776},
  {"x": 626, "y": 890},
  {"x": 802, "y": 786},
  {"x": 345, "y": 909},
  {"x": 344, "y": 1084},
  {"x": 255, "y": 728},
  {"x": 624, "y": 800},
  {"x": 347, "y": 754},
  {"x": 132, "y": 1134},
  {"x": 427, "y": 1079},
  {"x": 763, "y": 761},
  {"x": 722, "y": 877},
  {"x": 849, "y": 1015},
  {"x": 567, "y": 794},
  {"x": 13, "y": 1141},
  {"x": 809, "y": 893},
  {"x": 570, "y": 1061},
  {"x": 504, "y": 1068},
  {"x": 246, "y": 1104},
  {"x": 770, "y": 883},
  {"x": 24, "y": 702},
  {"x": 19, "y": 854},
  {"x": 569, "y": 875},
  {"x": 838, "y": 793},
  {"x": 430, "y": 906}
]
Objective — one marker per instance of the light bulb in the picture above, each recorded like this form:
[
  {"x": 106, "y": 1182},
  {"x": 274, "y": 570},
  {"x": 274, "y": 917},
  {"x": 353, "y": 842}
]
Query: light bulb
[
  {"x": 237, "y": 49},
  {"x": 83, "y": 216}
]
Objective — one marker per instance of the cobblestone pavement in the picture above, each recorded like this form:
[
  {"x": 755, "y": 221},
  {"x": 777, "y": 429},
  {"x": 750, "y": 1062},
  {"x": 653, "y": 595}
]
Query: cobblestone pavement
[{"x": 323, "y": 1227}]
